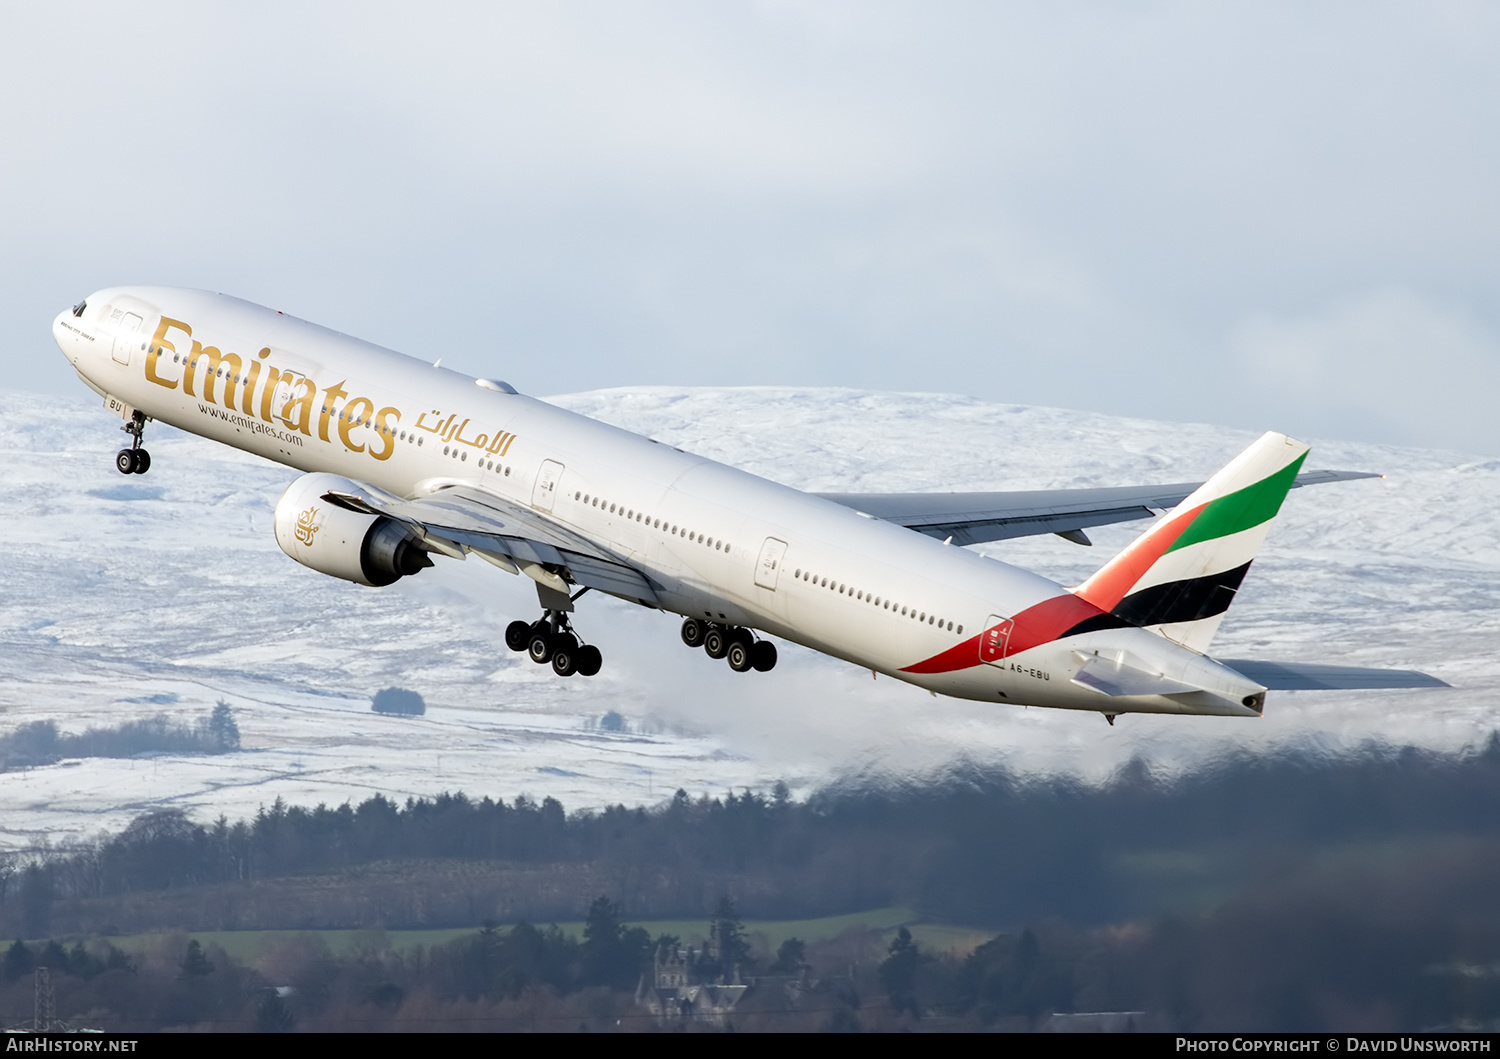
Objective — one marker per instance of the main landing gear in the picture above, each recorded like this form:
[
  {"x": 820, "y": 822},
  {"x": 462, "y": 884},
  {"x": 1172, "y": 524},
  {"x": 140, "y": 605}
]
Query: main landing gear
[
  {"x": 551, "y": 639},
  {"x": 134, "y": 460},
  {"x": 739, "y": 646}
]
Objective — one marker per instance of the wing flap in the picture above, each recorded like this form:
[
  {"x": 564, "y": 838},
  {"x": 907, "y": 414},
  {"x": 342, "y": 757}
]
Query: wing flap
[
  {"x": 1306, "y": 676},
  {"x": 472, "y": 518}
]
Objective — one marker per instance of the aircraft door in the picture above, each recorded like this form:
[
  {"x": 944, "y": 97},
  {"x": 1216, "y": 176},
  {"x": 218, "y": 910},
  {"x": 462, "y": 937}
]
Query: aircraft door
[
  {"x": 768, "y": 567},
  {"x": 127, "y": 335},
  {"x": 281, "y": 396},
  {"x": 545, "y": 491},
  {"x": 994, "y": 642}
]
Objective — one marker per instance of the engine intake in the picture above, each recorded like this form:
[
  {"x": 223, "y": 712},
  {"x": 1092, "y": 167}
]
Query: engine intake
[{"x": 331, "y": 539}]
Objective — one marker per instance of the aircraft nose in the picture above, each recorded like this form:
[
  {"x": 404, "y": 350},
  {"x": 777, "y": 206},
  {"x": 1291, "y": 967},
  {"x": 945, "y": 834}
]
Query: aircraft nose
[{"x": 65, "y": 332}]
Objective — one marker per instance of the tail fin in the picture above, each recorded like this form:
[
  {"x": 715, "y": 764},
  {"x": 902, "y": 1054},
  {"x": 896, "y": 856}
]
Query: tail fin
[{"x": 1179, "y": 577}]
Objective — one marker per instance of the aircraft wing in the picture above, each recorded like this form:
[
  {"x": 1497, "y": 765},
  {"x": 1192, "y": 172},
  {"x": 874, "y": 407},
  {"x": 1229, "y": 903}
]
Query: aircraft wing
[
  {"x": 1305, "y": 676},
  {"x": 510, "y": 535},
  {"x": 973, "y": 518}
]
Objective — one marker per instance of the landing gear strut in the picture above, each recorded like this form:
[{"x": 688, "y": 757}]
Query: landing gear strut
[
  {"x": 738, "y": 645},
  {"x": 551, "y": 639},
  {"x": 134, "y": 460}
]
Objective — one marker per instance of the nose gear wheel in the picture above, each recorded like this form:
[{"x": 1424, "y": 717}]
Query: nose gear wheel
[{"x": 134, "y": 460}]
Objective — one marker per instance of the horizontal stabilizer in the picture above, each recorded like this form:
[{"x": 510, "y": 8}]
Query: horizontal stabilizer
[
  {"x": 1109, "y": 677},
  {"x": 1306, "y": 676}
]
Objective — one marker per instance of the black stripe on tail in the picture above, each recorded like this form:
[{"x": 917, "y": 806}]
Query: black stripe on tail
[{"x": 1178, "y": 601}]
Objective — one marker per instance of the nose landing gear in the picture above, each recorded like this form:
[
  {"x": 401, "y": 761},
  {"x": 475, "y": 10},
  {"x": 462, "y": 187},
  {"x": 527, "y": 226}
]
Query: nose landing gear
[
  {"x": 743, "y": 651},
  {"x": 134, "y": 460},
  {"x": 551, "y": 639}
]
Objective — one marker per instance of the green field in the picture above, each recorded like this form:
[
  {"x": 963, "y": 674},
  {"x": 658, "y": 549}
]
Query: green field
[{"x": 247, "y": 945}]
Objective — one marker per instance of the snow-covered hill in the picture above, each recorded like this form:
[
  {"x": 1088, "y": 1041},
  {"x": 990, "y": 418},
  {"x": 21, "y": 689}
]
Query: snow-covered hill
[{"x": 126, "y": 597}]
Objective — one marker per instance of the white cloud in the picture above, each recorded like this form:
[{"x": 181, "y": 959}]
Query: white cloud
[
  {"x": 1388, "y": 365},
  {"x": 1059, "y": 205}
]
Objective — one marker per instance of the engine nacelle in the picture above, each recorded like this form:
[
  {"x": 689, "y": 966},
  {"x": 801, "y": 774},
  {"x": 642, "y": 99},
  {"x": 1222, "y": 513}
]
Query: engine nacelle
[{"x": 366, "y": 549}]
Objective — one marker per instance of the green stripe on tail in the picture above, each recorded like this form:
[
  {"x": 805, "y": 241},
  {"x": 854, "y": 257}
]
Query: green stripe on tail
[{"x": 1241, "y": 510}]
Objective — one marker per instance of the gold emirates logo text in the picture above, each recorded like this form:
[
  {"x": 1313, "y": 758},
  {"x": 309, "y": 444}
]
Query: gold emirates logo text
[{"x": 286, "y": 395}]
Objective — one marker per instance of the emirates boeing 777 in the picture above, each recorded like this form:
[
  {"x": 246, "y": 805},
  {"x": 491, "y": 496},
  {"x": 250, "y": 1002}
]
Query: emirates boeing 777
[{"x": 405, "y": 460}]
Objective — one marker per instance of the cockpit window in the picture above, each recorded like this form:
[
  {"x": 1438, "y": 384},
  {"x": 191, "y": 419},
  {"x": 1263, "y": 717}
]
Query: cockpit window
[{"x": 78, "y": 309}]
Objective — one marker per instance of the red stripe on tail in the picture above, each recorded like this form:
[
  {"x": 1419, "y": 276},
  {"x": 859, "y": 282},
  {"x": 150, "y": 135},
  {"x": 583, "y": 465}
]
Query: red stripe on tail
[
  {"x": 1036, "y": 625},
  {"x": 1116, "y": 578}
]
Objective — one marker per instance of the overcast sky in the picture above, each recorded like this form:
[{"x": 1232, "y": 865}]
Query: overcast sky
[{"x": 1269, "y": 216}]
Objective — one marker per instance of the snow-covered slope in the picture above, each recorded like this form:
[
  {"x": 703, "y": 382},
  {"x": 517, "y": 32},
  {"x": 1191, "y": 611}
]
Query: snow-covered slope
[{"x": 125, "y": 597}]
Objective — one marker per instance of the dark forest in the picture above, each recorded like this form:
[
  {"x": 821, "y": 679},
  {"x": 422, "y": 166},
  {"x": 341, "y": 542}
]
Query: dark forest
[{"x": 1295, "y": 892}]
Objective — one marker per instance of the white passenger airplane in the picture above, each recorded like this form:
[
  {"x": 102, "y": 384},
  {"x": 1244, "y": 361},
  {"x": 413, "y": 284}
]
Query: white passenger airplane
[{"x": 881, "y": 581}]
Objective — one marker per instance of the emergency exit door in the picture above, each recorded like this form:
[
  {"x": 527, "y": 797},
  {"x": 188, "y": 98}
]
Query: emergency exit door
[
  {"x": 994, "y": 642},
  {"x": 546, "y": 485},
  {"x": 127, "y": 336},
  {"x": 768, "y": 566}
]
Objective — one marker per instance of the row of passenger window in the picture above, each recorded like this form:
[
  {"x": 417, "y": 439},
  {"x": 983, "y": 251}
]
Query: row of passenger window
[
  {"x": 874, "y": 600},
  {"x": 632, "y": 515},
  {"x": 462, "y": 456}
]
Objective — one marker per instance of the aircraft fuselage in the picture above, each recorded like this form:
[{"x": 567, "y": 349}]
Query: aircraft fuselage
[{"x": 717, "y": 543}]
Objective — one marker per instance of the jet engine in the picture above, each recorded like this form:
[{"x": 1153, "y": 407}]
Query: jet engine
[{"x": 332, "y": 539}]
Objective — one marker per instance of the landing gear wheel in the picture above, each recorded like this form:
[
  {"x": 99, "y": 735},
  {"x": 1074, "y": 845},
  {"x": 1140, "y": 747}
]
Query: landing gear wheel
[
  {"x": 517, "y": 635},
  {"x": 539, "y": 647},
  {"x": 739, "y": 657},
  {"x": 552, "y": 639},
  {"x": 763, "y": 656},
  {"x": 693, "y": 632},
  {"x": 134, "y": 460},
  {"x": 716, "y": 642}
]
